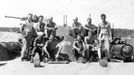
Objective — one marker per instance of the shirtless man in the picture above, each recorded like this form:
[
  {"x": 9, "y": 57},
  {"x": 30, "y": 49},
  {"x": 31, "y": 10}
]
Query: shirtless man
[
  {"x": 78, "y": 47},
  {"x": 52, "y": 48},
  {"x": 104, "y": 37}
]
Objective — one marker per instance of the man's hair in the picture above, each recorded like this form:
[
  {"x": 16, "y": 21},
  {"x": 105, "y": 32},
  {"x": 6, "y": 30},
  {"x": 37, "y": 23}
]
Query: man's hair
[
  {"x": 103, "y": 15},
  {"x": 75, "y": 19},
  {"x": 41, "y": 16},
  {"x": 35, "y": 16}
]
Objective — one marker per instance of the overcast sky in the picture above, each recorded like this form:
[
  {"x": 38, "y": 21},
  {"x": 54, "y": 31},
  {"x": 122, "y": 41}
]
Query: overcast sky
[{"x": 119, "y": 12}]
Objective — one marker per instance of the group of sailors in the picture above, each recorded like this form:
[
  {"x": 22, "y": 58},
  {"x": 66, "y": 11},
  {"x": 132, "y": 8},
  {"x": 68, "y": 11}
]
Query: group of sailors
[
  {"x": 92, "y": 40},
  {"x": 42, "y": 38}
]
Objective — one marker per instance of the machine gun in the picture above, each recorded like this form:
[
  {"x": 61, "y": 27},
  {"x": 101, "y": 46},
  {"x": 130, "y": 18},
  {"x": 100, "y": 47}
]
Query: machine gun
[{"x": 23, "y": 18}]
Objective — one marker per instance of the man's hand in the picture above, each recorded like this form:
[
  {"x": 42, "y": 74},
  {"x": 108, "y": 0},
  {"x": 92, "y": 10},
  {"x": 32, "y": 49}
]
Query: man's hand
[
  {"x": 110, "y": 39},
  {"x": 40, "y": 45},
  {"x": 48, "y": 56},
  {"x": 79, "y": 50},
  {"x": 57, "y": 55}
]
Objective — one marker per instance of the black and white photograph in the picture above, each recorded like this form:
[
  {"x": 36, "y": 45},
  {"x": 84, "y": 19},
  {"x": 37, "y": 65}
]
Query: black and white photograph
[{"x": 66, "y": 37}]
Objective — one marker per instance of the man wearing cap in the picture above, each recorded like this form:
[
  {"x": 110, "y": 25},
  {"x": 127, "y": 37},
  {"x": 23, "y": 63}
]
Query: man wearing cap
[
  {"x": 104, "y": 37},
  {"x": 78, "y": 47},
  {"x": 77, "y": 27},
  {"x": 38, "y": 44},
  {"x": 50, "y": 26},
  {"x": 52, "y": 48}
]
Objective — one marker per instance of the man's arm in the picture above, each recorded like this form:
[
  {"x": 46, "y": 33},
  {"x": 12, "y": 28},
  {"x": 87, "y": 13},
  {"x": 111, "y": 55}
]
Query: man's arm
[
  {"x": 86, "y": 27},
  {"x": 55, "y": 25},
  {"x": 35, "y": 42},
  {"x": 98, "y": 31},
  {"x": 85, "y": 40},
  {"x": 22, "y": 28},
  {"x": 110, "y": 33},
  {"x": 75, "y": 47},
  {"x": 59, "y": 50}
]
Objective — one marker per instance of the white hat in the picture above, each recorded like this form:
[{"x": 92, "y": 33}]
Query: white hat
[{"x": 40, "y": 33}]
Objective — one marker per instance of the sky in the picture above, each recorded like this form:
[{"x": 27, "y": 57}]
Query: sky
[{"x": 120, "y": 13}]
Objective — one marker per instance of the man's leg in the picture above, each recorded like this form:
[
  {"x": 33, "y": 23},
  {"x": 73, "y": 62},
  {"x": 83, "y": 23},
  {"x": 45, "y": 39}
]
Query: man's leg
[
  {"x": 107, "y": 49},
  {"x": 39, "y": 50},
  {"x": 100, "y": 49},
  {"x": 86, "y": 55},
  {"x": 25, "y": 53},
  {"x": 86, "y": 32},
  {"x": 75, "y": 53},
  {"x": 56, "y": 53},
  {"x": 33, "y": 54},
  {"x": 47, "y": 33},
  {"x": 44, "y": 55}
]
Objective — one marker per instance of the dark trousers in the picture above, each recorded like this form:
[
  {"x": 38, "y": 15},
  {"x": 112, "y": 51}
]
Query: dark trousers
[
  {"x": 52, "y": 53},
  {"x": 77, "y": 54},
  {"x": 38, "y": 50}
]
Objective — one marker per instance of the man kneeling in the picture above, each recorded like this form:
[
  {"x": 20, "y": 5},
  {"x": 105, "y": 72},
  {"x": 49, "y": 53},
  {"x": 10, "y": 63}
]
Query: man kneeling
[
  {"x": 78, "y": 47},
  {"x": 38, "y": 44},
  {"x": 89, "y": 53},
  {"x": 52, "y": 48}
]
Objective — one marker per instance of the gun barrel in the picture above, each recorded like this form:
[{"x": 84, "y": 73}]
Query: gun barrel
[{"x": 13, "y": 17}]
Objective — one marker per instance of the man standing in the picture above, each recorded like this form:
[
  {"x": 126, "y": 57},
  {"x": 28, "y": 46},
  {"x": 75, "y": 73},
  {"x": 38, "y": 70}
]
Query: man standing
[
  {"x": 104, "y": 37},
  {"x": 29, "y": 34}
]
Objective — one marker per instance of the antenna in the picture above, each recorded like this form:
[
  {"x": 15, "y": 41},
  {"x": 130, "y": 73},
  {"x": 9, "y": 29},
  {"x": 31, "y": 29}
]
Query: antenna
[
  {"x": 113, "y": 30},
  {"x": 65, "y": 20},
  {"x": 89, "y": 15}
]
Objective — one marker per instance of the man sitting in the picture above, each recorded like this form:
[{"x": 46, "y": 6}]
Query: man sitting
[
  {"x": 52, "y": 48},
  {"x": 38, "y": 44},
  {"x": 89, "y": 51},
  {"x": 49, "y": 27},
  {"x": 78, "y": 47},
  {"x": 89, "y": 27},
  {"x": 77, "y": 27}
]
